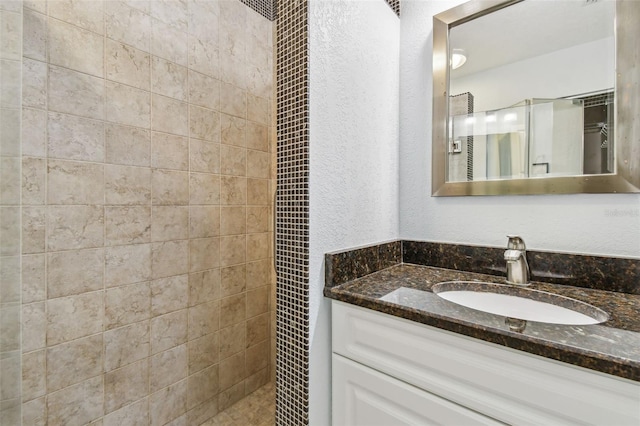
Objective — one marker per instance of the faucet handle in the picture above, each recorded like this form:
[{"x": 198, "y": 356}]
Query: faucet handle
[{"x": 515, "y": 243}]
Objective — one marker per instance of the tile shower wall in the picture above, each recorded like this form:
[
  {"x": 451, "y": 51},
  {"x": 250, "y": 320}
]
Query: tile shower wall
[
  {"x": 10, "y": 66},
  {"x": 146, "y": 209}
]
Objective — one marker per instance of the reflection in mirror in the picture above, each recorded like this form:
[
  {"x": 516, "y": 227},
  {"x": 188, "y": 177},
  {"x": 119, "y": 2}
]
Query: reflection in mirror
[
  {"x": 536, "y": 97},
  {"x": 533, "y": 97}
]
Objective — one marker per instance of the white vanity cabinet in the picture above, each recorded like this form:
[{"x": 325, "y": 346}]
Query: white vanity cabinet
[{"x": 390, "y": 371}]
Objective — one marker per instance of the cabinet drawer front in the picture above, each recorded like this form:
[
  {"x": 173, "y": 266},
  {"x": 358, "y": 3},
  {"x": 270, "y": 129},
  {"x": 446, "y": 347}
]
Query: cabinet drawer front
[
  {"x": 508, "y": 385},
  {"x": 365, "y": 397}
]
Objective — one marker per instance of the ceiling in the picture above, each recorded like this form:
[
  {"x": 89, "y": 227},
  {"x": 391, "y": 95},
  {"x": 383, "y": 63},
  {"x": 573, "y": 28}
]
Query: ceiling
[{"x": 530, "y": 28}]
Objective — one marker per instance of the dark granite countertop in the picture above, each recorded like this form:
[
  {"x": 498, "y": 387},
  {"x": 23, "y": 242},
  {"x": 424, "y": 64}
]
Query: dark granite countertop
[{"x": 611, "y": 347}]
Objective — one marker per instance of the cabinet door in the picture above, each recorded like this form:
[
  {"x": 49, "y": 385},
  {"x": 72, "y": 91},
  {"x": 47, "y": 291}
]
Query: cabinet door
[{"x": 365, "y": 397}]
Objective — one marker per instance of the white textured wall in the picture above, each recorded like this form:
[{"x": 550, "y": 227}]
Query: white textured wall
[
  {"x": 354, "y": 101},
  {"x": 606, "y": 224}
]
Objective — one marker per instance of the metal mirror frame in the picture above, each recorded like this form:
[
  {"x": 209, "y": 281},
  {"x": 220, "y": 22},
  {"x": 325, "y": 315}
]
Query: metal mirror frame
[{"x": 626, "y": 179}]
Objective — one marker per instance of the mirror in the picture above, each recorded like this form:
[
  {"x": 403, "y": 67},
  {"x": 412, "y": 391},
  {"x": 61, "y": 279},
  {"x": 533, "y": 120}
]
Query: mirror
[{"x": 536, "y": 97}]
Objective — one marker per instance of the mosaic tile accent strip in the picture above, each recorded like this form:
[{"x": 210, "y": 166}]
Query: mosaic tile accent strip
[
  {"x": 395, "y": 5},
  {"x": 341, "y": 267},
  {"x": 292, "y": 215},
  {"x": 266, "y": 8}
]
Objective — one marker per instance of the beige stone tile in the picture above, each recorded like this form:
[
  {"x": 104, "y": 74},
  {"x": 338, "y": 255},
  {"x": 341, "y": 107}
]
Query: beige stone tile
[
  {"x": 76, "y": 93},
  {"x": 204, "y": 55},
  {"x": 126, "y": 385},
  {"x": 232, "y": 340},
  {"x": 34, "y": 83},
  {"x": 10, "y": 284},
  {"x": 204, "y": 319},
  {"x": 204, "y": 188},
  {"x": 74, "y": 48},
  {"x": 233, "y": 160},
  {"x": 136, "y": 414},
  {"x": 227, "y": 400},
  {"x": 73, "y": 362},
  {"x": 179, "y": 421},
  {"x": 75, "y": 271},
  {"x": 233, "y": 190},
  {"x": 204, "y": 156},
  {"x": 204, "y": 221},
  {"x": 169, "y": 294},
  {"x": 203, "y": 352},
  {"x": 75, "y": 138},
  {"x": 233, "y": 280},
  {"x": 83, "y": 13},
  {"x": 10, "y": 168},
  {"x": 169, "y": 258},
  {"x": 125, "y": 345},
  {"x": 233, "y": 100},
  {"x": 259, "y": 273},
  {"x": 202, "y": 16},
  {"x": 258, "y": 219},
  {"x": 260, "y": 71},
  {"x": 258, "y": 246},
  {"x": 70, "y": 182},
  {"x": 127, "y": 185},
  {"x": 172, "y": 12},
  {"x": 11, "y": 128},
  {"x": 33, "y": 230},
  {"x": 257, "y": 301},
  {"x": 34, "y": 39},
  {"x": 169, "y": 115},
  {"x": 204, "y": 124},
  {"x": 204, "y": 253},
  {"x": 232, "y": 371},
  {"x": 258, "y": 192},
  {"x": 168, "y": 331},
  {"x": 204, "y": 90},
  {"x": 10, "y": 340},
  {"x": 126, "y": 145},
  {"x": 34, "y": 375},
  {"x": 233, "y": 66},
  {"x": 142, "y": 5},
  {"x": 127, "y": 105},
  {"x": 232, "y": 250},
  {"x": 33, "y": 180},
  {"x": 233, "y": 130},
  {"x": 168, "y": 79},
  {"x": 168, "y": 42},
  {"x": 170, "y": 223},
  {"x": 202, "y": 386},
  {"x": 34, "y": 132},
  {"x": 76, "y": 405},
  {"x": 128, "y": 65},
  {"x": 127, "y": 225},
  {"x": 257, "y": 357},
  {"x": 72, "y": 317},
  {"x": 257, "y": 136},
  {"x": 258, "y": 164},
  {"x": 127, "y": 264},
  {"x": 128, "y": 25},
  {"x": 34, "y": 412},
  {"x": 233, "y": 310},
  {"x": 34, "y": 326},
  {"x": 127, "y": 304},
  {"x": 203, "y": 412},
  {"x": 253, "y": 383},
  {"x": 168, "y": 367},
  {"x": 258, "y": 110},
  {"x": 37, "y": 5},
  {"x": 169, "y": 151},
  {"x": 168, "y": 403},
  {"x": 257, "y": 329},
  {"x": 33, "y": 278},
  {"x": 74, "y": 227},
  {"x": 204, "y": 286}
]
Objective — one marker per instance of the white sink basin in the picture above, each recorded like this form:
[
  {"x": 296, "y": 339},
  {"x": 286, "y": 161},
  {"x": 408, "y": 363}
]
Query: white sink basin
[{"x": 520, "y": 303}]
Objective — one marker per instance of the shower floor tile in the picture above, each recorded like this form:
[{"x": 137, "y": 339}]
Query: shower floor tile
[{"x": 257, "y": 409}]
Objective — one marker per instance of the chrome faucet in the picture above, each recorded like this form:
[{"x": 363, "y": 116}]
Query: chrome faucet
[{"x": 516, "y": 257}]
